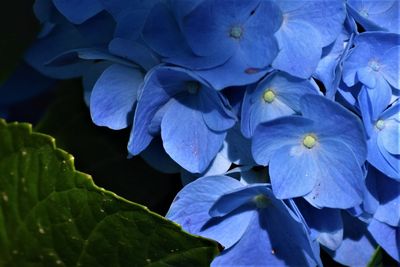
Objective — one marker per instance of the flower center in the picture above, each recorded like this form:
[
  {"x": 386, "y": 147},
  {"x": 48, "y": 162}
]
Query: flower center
[
  {"x": 374, "y": 65},
  {"x": 236, "y": 32},
  {"x": 309, "y": 141},
  {"x": 192, "y": 87},
  {"x": 269, "y": 96},
  {"x": 261, "y": 201},
  {"x": 364, "y": 13},
  {"x": 380, "y": 124}
]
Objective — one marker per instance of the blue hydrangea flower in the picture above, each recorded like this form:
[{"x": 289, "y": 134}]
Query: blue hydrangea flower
[
  {"x": 317, "y": 156},
  {"x": 307, "y": 27},
  {"x": 254, "y": 227},
  {"x": 376, "y": 15},
  {"x": 231, "y": 38},
  {"x": 277, "y": 95},
  {"x": 192, "y": 117},
  {"x": 60, "y": 36},
  {"x": 373, "y": 62},
  {"x": 383, "y": 136}
]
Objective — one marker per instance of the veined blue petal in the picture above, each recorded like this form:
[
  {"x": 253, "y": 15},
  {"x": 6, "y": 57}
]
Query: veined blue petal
[
  {"x": 298, "y": 42},
  {"x": 326, "y": 224},
  {"x": 325, "y": 16},
  {"x": 391, "y": 67},
  {"x": 274, "y": 237},
  {"x": 114, "y": 95},
  {"x": 390, "y": 136},
  {"x": 339, "y": 179},
  {"x": 215, "y": 114},
  {"x": 388, "y": 237},
  {"x": 160, "y": 84},
  {"x": 358, "y": 245},
  {"x": 191, "y": 144},
  {"x": 191, "y": 205},
  {"x": 294, "y": 171}
]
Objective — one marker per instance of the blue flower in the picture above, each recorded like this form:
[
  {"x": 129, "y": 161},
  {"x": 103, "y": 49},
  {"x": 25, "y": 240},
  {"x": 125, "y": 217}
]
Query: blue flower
[
  {"x": 232, "y": 38},
  {"x": 192, "y": 117},
  {"x": 307, "y": 27},
  {"x": 376, "y": 15},
  {"x": 383, "y": 136},
  {"x": 277, "y": 95},
  {"x": 317, "y": 156},
  {"x": 254, "y": 227},
  {"x": 374, "y": 63}
]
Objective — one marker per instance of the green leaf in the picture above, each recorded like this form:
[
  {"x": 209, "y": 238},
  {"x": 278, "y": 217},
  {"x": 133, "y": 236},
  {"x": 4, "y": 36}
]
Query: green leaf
[
  {"x": 376, "y": 259},
  {"x": 103, "y": 152},
  {"x": 53, "y": 215}
]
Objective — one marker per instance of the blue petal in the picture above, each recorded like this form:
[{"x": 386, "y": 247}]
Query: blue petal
[
  {"x": 388, "y": 237},
  {"x": 343, "y": 125},
  {"x": 389, "y": 199},
  {"x": 161, "y": 83},
  {"x": 215, "y": 114},
  {"x": 191, "y": 205},
  {"x": 191, "y": 144},
  {"x": 325, "y": 223},
  {"x": 358, "y": 245},
  {"x": 238, "y": 148},
  {"x": 376, "y": 158},
  {"x": 325, "y": 16},
  {"x": 390, "y": 136},
  {"x": 133, "y": 51},
  {"x": 391, "y": 70},
  {"x": 78, "y": 11},
  {"x": 340, "y": 181},
  {"x": 164, "y": 38},
  {"x": 274, "y": 237},
  {"x": 114, "y": 95},
  {"x": 375, "y": 100},
  {"x": 90, "y": 77},
  {"x": 155, "y": 156},
  {"x": 298, "y": 42},
  {"x": 271, "y": 136},
  {"x": 294, "y": 171},
  {"x": 236, "y": 71}
]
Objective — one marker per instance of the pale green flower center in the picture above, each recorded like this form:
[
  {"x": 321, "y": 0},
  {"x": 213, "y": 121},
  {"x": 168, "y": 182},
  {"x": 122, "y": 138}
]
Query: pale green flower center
[
  {"x": 380, "y": 124},
  {"x": 236, "y": 32},
  {"x": 261, "y": 201},
  {"x": 192, "y": 87},
  {"x": 309, "y": 141},
  {"x": 269, "y": 96}
]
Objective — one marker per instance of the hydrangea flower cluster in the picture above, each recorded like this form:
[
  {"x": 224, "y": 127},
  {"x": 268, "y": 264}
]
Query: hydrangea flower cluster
[{"x": 282, "y": 116}]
